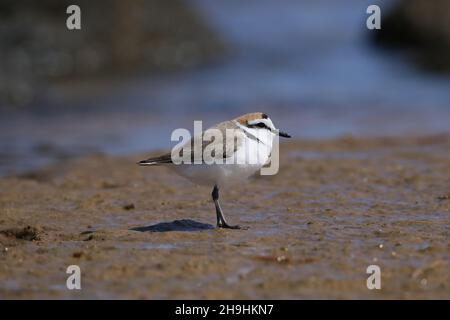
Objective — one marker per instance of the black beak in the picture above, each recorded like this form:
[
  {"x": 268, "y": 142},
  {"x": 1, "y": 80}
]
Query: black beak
[{"x": 284, "y": 134}]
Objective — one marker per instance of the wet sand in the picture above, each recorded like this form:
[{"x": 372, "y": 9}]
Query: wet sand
[{"x": 336, "y": 207}]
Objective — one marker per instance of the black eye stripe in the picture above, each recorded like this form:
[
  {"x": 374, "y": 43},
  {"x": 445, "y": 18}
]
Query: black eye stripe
[{"x": 259, "y": 125}]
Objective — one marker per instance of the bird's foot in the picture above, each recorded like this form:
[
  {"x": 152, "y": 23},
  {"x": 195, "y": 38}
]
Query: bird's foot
[{"x": 227, "y": 226}]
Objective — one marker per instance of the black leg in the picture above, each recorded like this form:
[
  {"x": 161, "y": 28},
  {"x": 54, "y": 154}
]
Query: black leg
[
  {"x": 215, "y": 197},
  {"x": 221, "y": 221}
]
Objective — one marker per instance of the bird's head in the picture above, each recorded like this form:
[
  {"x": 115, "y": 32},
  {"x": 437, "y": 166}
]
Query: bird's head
[{"x": 261, "y": 121}]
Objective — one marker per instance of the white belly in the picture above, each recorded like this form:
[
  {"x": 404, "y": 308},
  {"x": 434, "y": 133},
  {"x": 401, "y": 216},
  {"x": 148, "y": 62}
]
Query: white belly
[
  {"x": 220, "y": 174},
  {"x": 247, "y": 161}
]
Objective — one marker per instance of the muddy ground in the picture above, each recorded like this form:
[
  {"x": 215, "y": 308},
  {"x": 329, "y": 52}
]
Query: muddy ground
[{"x": 335, "y": 208}]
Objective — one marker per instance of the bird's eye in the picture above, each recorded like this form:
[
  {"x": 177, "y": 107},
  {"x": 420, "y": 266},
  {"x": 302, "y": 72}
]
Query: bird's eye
[{"x": 260, "y": 125}]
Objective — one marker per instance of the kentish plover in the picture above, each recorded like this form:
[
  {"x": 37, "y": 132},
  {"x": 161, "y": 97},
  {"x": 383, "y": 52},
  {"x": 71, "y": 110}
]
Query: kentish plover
[{"x": 242, "y": 155}]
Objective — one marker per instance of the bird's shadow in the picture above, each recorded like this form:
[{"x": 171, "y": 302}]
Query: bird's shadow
[{"x": 185, "y": 225}]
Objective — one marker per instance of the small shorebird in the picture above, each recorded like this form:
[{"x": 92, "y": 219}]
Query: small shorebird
[{"x": 249, "y": 149}]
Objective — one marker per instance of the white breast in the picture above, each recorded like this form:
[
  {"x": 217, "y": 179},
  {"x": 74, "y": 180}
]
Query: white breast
[{"x": 256, "y": 147}]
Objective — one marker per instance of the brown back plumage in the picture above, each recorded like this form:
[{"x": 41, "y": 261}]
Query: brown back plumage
[
  {"x": 224, "y": 148},
  {"x": 251, "y": 116}
]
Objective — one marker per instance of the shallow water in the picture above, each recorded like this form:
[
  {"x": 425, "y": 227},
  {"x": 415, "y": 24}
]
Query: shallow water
[{"x": 309, "y": 64}]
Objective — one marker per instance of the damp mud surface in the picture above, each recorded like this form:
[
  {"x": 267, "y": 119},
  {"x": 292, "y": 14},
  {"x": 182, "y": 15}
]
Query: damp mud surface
[{"x": 335, "y": 208}]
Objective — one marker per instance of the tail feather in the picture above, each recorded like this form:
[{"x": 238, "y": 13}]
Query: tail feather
[{"x": 165, "y": 159}]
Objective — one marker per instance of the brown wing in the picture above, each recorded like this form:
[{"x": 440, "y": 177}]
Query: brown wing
[{"x": 221, "y": 148}]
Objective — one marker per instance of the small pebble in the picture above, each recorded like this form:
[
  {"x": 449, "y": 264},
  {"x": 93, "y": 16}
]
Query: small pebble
[
  {"x": 77, "y": 254},
  {"x": 129, "y": 206}
]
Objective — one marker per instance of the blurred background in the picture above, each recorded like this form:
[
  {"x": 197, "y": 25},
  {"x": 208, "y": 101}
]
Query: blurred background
[{"x": 139, "y": 69}]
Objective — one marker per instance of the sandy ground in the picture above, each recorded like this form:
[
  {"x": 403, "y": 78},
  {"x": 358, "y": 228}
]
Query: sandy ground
[{"x": 335, "y": 208}]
